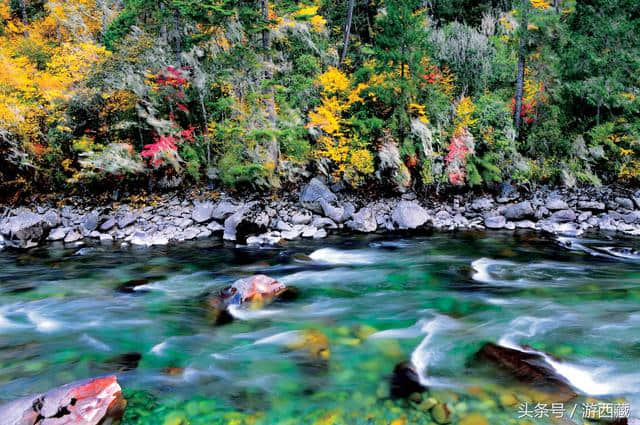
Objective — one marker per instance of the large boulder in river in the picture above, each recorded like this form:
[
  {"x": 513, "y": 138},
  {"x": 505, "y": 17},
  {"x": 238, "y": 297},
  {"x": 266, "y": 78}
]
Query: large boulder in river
[
  {"x": 337, "y": 213},
  {"x": 258, "y": 289},
  {"x": 92, "y": 402},
  {"x": 363, "y": 221},
  {"x": 313, "y": 192},
  {"x": 527, "y": 366},
  {"x": 25, "y": 230},
  {"x": 409, "y": 215}
]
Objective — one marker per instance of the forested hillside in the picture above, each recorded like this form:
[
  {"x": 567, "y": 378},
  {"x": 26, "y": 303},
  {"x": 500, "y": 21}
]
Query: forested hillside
[{"x": 259, "y": 94}]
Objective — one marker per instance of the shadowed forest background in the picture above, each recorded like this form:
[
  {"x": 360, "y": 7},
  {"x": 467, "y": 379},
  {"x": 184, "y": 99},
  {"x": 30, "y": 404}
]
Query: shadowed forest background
[{"x": 397, "y": 94}]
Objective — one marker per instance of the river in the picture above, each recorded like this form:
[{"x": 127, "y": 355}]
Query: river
[{"x": 73, "y": 313}]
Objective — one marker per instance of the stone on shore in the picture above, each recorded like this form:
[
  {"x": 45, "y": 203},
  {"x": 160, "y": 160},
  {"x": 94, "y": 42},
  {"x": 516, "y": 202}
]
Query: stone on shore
[
  {"x": 202, "y": 212},
  {"x": 495, "y": 222},
  {"x": 409, "y": 215},
  {"x": 312, "y": 194},
  {"x": 519, "y": 211},
  {"x": 363, "y": 221}
]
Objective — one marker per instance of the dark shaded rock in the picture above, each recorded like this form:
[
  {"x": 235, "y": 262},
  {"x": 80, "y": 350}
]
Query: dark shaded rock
[
  {"x": 508, "y": 193},
  {"x": 519, "y": 211},
  {"x": 313, "y": 192},
  {"x": 526, "y": 366},
  {"x": 409, "y": 215},
  {"x": 132, "y": 286},
  {"x": 495, "y": 222},
  {"x": 91, "y": 402},
  {"x": 405, "y": 381},
  {"x": 124, "y": 362},
  {"x": 363, "y": 221}
]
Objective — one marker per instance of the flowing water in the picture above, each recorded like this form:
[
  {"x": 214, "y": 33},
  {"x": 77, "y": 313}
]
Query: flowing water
[{"x": 67, "y": 314}]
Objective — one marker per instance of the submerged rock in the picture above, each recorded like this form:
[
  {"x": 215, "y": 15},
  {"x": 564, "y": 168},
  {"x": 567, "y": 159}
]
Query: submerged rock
[
  {"x": 528, "y": 367},
  {"x": 405, "y": 381},
  {"x": 92, "y": 402},
  {"x": 257, "y": 290}
]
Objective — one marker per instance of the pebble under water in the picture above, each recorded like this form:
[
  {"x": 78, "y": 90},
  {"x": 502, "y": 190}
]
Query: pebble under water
[{"x": 73, "y": 313}]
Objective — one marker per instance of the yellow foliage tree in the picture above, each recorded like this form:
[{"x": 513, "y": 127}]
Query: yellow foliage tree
[{"x": 336, "y": 142}]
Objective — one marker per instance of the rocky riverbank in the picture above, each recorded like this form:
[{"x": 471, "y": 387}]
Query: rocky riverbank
[{"x": 317, "y": 211}]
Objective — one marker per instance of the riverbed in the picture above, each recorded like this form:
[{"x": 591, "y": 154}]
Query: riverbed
[{"x": 72, "y": 313}]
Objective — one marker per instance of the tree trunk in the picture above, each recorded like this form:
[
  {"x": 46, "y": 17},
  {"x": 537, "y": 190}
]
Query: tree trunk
[
  {"x": 517, "y": 110},
  {"x": 347, "y": 32},
  {"x": 25, "y": 19}
]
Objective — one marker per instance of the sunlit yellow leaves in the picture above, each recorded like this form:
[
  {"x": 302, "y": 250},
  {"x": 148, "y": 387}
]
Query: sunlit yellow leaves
[
  {"x": 327, "y": 116},
  {"x": 5, "y": 10},
  {"x": 318, "y": 23},
  {"x": 418, "y": 111},
  {"x": 540, "y": 4},
  {"x": 334, "y": 81},
  {"x": 362, "y": 161},
  {"x": 464, "y": 113}
]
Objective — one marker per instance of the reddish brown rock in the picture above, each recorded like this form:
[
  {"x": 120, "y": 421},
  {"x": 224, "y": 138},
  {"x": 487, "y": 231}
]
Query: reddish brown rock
[{"x": 92, "y": 402}]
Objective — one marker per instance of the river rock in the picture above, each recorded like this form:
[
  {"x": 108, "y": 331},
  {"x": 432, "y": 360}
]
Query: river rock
[
  {"x": 556, "y": 204},
  {"x": 324, "y": 223},
  {"x": 90, "y": 402},
  {"x": 363, "y": 221},
  {"x": 91, "y": 221},
  {"x": 625, "y": 203},
  {"x": 301, "y": 218},
  {"x": 527, "y": 366},
  {"x": 58, "y": 234},
  {"x": 244, "y": 222},
  {"x": 409, "y": 215},
  {"x": 73, "y": 235},
  {"x": 636, "y": 198},
  {"x": 140, "y": 238},
  {"x": 126, "y": 219},
  {"x": 224, "y": 209},
  {"x": 313, "y": 192},
  {"x": 495, "y": 222},
  {"x": 215, "y": 227},
  {"x": 563, "y": 216},
  {"x": 481, "y": 204},
  {"x": 525, "y": 224},
  {"x": 108, "y": 225},
  {"x": 52, "y": 218},
  {"x": 591, "y": 205},
  {"x": 202, "y": 212},
  {"x": 337, "y": 213},
  {"x": 564, "y": 229},
  {"x": 519, "y": 211},
  {"x": 25, "y": 230}
]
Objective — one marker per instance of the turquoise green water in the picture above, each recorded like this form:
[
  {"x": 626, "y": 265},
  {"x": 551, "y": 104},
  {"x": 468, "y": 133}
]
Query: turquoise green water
[{"x": 64, "y": 315}]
